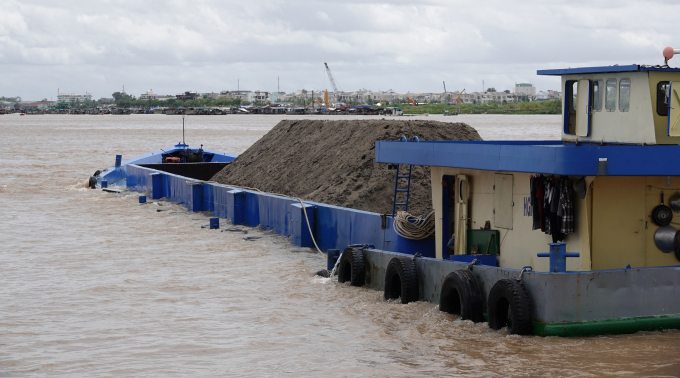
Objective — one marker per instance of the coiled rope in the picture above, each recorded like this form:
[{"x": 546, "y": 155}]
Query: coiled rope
[{"x": 412, "y": 227}]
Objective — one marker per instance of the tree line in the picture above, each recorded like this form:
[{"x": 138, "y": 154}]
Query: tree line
[{"x": 124, "y": 100}]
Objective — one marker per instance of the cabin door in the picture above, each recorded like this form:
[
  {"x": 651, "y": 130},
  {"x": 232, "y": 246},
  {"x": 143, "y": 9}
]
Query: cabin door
[
  {"x": 584, "y": 107},
  {"x": 462, "y": 197},
  {"x": 674, "y": 109},
  {"x": 449, "y": 203},
  {"x": 618, "y": 222}
]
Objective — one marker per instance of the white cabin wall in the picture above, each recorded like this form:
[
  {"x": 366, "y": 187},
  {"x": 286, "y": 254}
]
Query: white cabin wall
[
  {"x": 634, "y": 126},
  {"x": 520, "y": 245}
]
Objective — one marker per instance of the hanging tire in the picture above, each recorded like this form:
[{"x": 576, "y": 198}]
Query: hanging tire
[
  {"x": 351, "y": 267},
  {"x": 96, "y": 173},
  {"x": 401, "y": 280},
  {"x": 509, "y": 305},
  {"x": 462, "y": 295},
  {"x": 92, "y": 183}
]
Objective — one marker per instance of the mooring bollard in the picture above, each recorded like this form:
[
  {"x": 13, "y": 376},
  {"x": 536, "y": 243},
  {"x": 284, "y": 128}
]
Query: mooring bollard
[
  {"x": 214, "y": 223},
  {"x": 104, "y": 184},
  {"x": 333, "y": 255},
  {"x": 558, "y": 257},
  {"x": 119, "y": 158},
  {"x": 142, "y": 199}
]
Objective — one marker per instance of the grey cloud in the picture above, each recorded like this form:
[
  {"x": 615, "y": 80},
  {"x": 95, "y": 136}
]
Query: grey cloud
[{"x": 172, "y": 46}]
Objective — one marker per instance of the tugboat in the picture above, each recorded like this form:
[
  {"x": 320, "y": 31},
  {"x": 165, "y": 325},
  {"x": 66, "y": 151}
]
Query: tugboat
[
  {"x": 567, "y": 237},
  {"x": 575, "y": 235}
]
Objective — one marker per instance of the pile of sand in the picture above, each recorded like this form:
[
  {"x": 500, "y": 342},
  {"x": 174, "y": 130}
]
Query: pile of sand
[{"x": 333, "y": 162}]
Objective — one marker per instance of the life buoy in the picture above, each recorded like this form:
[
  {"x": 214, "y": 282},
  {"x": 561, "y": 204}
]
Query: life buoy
[
  {"x": 401, "y": 280},
  {"x": 510, "y": 305},
  {"x": 462, "y": 295},
  {"x": 351, "y": 267}
]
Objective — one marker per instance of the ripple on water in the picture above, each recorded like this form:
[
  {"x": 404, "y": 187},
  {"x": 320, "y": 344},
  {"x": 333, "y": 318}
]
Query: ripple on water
[{"x": 94, "y": 284}]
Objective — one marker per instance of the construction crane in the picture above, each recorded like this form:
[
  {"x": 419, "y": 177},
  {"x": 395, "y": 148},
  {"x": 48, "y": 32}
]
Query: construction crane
[
  {"x": 410, "y": 100},
  {"x": 333, "y": 84},
  {"x": 458, "y": 100}
]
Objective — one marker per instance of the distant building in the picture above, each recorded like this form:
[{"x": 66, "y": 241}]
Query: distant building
[
  {"x": 211, "y": 95},
  {"x": 73, "y": 98},
  {"x": 525, "y": 89},
  {"x": 259, "y": 96},
  {"x": 251, "y": 96},
  {"x": 149, "y": 95},
  {"x": 243, "y": 95},
  {"x": 276, "y": 96},
  {"x": 549, "y": 95},
  {"x": 188, "y": 95},
  {"x": 485, "y": 97},
  {"x": 35, "y": 105},
  {"x": 6, "y": 105}
]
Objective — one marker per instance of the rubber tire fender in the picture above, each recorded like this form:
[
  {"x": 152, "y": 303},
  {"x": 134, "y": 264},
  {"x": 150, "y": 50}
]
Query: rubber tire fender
[
  {"x": 401, "y": 280},
  {"x": 351, "y": 267},
  {"x": 461, "y": 294},
  {"x": 92, "y": 183},
  {"x": 509, "y": 300}
]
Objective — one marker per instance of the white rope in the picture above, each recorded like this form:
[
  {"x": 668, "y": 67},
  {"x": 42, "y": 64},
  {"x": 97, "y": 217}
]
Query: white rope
[
  {"x": 304, "y": 211},
  {"x": 412, "y": 227}
]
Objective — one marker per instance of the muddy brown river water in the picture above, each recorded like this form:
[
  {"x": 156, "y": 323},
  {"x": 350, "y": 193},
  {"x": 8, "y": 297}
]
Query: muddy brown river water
[{"x": 93, "y": 284}]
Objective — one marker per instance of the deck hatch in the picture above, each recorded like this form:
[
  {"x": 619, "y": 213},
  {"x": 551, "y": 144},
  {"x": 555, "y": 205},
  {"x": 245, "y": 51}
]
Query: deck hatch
[{"x": 502, "y": 201}]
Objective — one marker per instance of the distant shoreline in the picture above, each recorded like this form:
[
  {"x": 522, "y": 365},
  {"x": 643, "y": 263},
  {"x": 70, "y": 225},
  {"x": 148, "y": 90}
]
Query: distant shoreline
[{"x": 536, "y": 107}]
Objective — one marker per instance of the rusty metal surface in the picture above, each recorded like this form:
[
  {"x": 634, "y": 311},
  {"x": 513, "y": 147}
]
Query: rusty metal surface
[{"x": 556, "y": 297}]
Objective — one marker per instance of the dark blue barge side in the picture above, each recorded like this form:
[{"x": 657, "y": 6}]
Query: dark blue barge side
[{"x": 333, "y": 227}]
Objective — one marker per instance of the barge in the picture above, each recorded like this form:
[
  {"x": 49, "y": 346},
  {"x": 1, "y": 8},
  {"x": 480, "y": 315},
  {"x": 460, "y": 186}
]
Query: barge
[{"x": 554, "y": 238}]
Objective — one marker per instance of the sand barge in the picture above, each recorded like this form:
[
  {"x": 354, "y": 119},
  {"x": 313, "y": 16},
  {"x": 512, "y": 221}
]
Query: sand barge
[{"x": 333, "y": 162}]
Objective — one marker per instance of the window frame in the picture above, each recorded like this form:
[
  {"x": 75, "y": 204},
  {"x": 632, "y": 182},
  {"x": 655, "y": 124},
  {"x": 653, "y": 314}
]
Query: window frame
[
  {"x": 606, "y": 94},
  {"x": 658, "y": 92},
  {"x": 620, "y": 86},
  {"x": 599, "y": 84},
  {"x": 569, "y": 113}
]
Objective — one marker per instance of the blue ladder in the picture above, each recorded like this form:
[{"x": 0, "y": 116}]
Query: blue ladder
[{"x": 397, "y": 190}]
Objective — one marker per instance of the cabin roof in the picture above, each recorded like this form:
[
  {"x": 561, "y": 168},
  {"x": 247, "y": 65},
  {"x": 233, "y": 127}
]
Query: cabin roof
[
  {"x": 547, "y": 157},
  {"x": 605, "y": 69}
]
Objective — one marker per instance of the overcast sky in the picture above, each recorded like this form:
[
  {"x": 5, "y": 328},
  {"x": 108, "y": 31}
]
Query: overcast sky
[{"x": 173, "y": 46}]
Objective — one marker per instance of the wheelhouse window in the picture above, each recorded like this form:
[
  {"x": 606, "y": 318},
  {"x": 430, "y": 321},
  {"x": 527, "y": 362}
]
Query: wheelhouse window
[
  {"x": 570, "y": 96},
  {"x": 598, "y": 87},
  {"x": 662, "y": 98},
  {"x": 624, "y": 95},
  {"x": 610, "y": 95}
]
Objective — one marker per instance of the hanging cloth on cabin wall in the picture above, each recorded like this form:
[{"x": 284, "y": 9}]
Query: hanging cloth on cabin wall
[
  {"x": 552, "y": 206},
  {"x": 566, "y": 207},
  {"x": 555, "y": 220},
  {"x": 547, "y": 195}
]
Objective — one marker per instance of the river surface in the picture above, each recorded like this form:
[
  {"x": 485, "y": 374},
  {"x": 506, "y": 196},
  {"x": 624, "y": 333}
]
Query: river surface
[{"x": 94, "y": 284}]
